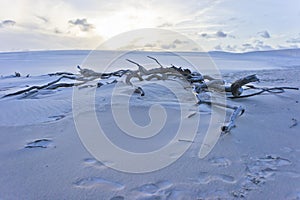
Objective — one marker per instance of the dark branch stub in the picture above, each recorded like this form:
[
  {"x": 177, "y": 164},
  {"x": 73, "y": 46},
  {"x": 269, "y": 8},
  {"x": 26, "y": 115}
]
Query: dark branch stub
[
  {"x": 236, "y": 87},
  {"x": 156, "y": 61}
]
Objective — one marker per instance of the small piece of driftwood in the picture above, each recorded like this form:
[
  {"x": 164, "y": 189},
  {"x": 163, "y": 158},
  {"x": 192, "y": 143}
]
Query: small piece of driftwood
[
  {"x": 238, "y": 111},
  {"x": 294, "y": 123},
  {"x": 17, "y": 74},
  {"x": 140, "y": 91}
]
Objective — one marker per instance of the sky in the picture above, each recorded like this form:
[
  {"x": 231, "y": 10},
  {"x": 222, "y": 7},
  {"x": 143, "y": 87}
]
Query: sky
[{"x": 215, "y": 25}]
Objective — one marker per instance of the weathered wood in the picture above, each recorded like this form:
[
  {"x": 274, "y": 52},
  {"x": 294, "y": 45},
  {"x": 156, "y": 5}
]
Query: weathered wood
[
  {"x": 39, "y": 87},
  {"x": 142, "y": 69},
  {"x": 275, "y": 90},
  {"x": 60, "y": 85},
  {"x": 238, "y": 111},
  {"x": 236, "y": 87},
  {"x": 149, "y": 78},
  {"x": 201, "y": 84},
  {"x": 294, "y": 123},
  {"x": 215, "y": 84},
  {"x": 118, "y": 73},
  {"x": 88, "y": 72},
  {"x": 156, "y": 61},
  {"x": 139, "y": 90},
  {"x": 61, "y": 73},
  {"x": 208, "y": 77},
  {"x": 152, "y": 73}
]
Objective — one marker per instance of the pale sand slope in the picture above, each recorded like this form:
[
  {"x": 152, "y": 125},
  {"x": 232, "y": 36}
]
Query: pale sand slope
[{"x": 258, "y": 160}]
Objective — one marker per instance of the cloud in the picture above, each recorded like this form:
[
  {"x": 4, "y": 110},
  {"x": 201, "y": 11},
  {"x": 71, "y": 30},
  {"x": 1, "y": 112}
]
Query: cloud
[
  {"x": 248, "y": 47},
  {"x": 168, "y": 46},
  {"x": 177, "y": 41},
  {"x": 57, "y": 31},
  {"x": 210, "y": 22},
  {"x": 260, "y": 45},
  {"x": 294, "y": 46},
  {"x": 233, "y": 19},
  {"x": 218, "y": 34},
  {"x": 221, "y": 34},
  {"x": 257, "y": 45},
  {"x": 165, "y": 25},
  {"x": 218, "y": 48},
  {"x": 148, "y": 45},
  {"x": 44, "y": 19},
  {"x": 293, "y": 40},
  {"x": 7, "y": 23},
  {"x": 204, "y": 35},
  {"x": 264, "y": 34},
  {"x": 82, "y": 24},
  {"x": 28, "y": 40},
  {"x": 230, "y": 48},
  {"x": 175, "y": 44}
]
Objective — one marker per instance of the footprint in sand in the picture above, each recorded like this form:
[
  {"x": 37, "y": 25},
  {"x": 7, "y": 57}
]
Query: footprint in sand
[
  {"x": 214, "y": 194},
  {"x": 179, "y": 194},
  {"x": 150, "y": 188},
  {"x": 260, "y": 170},
  {"x": 163, "y": 185},
  {"x": 91, "y": 162},
  {"x": 97, "y": 181},
  {"x": 40, "y": 143},
  {"x": 117, "y": 198},
  {"x": 205, "y": 178},
  {"x": 294, "y": 196},
  {"x": 154, "y": 197},
  {"x": 273, "y": 161},
  {"x": 156, "y": 190},
  {"x": 220, "y": 161}
]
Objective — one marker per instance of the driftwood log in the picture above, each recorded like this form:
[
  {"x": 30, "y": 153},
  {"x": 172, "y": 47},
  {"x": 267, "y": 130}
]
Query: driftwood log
[
  {"x": 200, "y": 84},
  {"x": 40, "y": 87}
]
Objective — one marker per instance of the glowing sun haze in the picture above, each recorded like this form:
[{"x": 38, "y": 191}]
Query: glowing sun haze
[{"x": 227, "y": 25}]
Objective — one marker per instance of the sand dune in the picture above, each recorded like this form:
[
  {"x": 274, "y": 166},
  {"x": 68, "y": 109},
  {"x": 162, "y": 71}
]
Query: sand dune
[{"x": 42, "y": 156}]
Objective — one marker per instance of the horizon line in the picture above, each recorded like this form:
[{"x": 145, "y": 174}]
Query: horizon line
[{"x": 137, "y": 50}]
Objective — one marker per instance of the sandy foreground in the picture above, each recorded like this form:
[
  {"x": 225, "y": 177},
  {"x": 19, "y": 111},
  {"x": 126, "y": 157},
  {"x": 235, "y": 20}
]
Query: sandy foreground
[{"x": 42, "y": 156}]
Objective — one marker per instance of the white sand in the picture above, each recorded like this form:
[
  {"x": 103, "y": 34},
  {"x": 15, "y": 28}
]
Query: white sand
[{"x": 42, "y": 156}]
